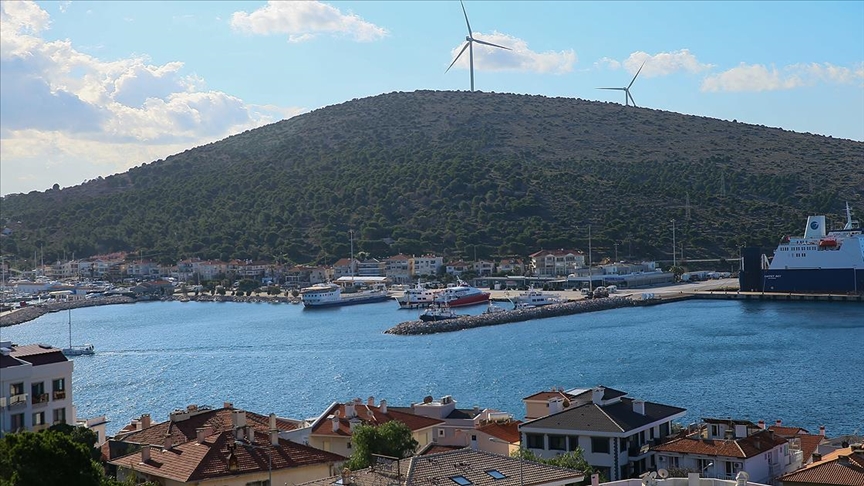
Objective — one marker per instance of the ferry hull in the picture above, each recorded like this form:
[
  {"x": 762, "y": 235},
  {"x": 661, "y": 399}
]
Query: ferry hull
[
  {"x": 816, "y": 280},
  {"x": 344, "y": 302},
  {"x": 480, "y": 298}
]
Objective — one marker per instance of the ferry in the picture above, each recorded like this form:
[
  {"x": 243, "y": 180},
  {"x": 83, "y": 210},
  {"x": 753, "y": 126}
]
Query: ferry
[
  {"x": 820, "y": 261},
  {"x": 461, "y": 295},
  {"x": 535, "y": 298},
  {"x": 330, "y": 295},
  {"x": 416, "y": 297}
]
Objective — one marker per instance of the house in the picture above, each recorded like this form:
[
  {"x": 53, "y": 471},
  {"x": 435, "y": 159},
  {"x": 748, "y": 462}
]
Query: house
[
  {"x": 397, "y": 268},
  {"x": 842, "y": 467},
  {"x": 554, "y": 263},
  {"x": 799, "y": 439},
  {"x": 371, "y": 267},
  {"x": 332, "y": 430},
  {"x": 457, "y": 268},
  {"x": 462, "y": 467},
  {"x": 344, "y": 267},
  {"x": 511, "y": 266},
  {"x": 426, "y": 265},
  {"x": 721, "y": 448},
  {"x": 614, "y": 431},
  {"x": 238, "y": 457},
  {"x": 458, "y": 425},
  {"x": 35, "y": 388},
  {"x": 484, "y": 267}
]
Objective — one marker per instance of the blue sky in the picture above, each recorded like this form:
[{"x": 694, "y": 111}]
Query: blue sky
[{"x": 89, "y": 89}]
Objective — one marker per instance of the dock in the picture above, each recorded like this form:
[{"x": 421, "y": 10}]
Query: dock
[{"x": 776, "y": 296}]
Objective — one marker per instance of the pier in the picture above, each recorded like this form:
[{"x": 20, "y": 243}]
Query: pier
[{"x": 508, "y": 316}]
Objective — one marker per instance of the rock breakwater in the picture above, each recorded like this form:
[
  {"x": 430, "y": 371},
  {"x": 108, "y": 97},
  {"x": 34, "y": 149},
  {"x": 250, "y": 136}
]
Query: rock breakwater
[
  {"x": 29, "y": 313},
  {"x": 505, "y": 317}
]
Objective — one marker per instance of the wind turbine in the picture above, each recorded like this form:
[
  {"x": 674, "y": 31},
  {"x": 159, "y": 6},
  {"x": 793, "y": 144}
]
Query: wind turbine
[
  {"x": 627, "y": 96},
  {"x": 469, "y": 44}
]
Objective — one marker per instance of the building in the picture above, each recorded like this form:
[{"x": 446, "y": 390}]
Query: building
[
  {"x": 458, "y": 425},
  {"x": 397, "y": 268},
  {"x": 614, "y": 431},
  {"x": 426, "y": 265},
  {"x": 721, "y": 448},
  {"x": 462, "y": 467},
  {"x": 511, "y": 266},
  {"x": 843, "y": 467},
  {"x": 35, "y": 388},
  {"x": 332, "y": 430},
  {"x": 799, "y": 439},
  {"x": 554, "y": 263}
]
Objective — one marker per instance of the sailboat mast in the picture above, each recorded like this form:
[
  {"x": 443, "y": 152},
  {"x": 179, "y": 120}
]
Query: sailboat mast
[{"x": 70, "y": 328}]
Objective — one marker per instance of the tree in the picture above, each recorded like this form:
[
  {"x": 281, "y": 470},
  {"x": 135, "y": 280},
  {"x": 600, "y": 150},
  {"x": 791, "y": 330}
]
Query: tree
[
  {"x": 390, "y": 439},
  {"x": 570, "y": 460},
  {"x": 46, "y": 458},
  {"x": 81, "y": 435}
]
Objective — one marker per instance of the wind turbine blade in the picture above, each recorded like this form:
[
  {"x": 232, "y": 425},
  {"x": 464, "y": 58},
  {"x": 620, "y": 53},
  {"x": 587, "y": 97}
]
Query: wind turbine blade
[
  {"x": 616, "y": 89},
  {"x": 491, "y": 44},
  {"x": 466, "y": 18},
  {"x": 457, "y": 57},
  {"x": 637, "y": 74},
  {"x": 631, "y": 98}
]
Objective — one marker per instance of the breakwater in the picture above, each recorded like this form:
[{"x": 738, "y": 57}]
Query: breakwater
[
  {"x": 508, "y": 316},
  {"x": 29, "y": 313}
]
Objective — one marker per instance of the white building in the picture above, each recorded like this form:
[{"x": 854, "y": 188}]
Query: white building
[
  {"x": 614, "y": 432},
  {"x": 426, "y": 265},
  {"x": 35, "y": 388}
]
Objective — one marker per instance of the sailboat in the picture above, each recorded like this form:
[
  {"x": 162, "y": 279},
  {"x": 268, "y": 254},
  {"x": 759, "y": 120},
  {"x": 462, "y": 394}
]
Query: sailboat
[{"x": 80, "y": 350}]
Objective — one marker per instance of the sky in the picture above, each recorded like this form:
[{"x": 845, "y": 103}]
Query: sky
[{"x": 90, "y": 89}]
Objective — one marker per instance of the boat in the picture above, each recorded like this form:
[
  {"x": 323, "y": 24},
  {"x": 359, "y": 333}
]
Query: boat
[
  {"x": 329, "y": 294},
  {"x": 535, "y": 298},
  {"x": 438, "y": 314},
  {"x": 460, "y": 295},
  {"x": 80, "y": 350},
  {"x": 415, "y": 297},
  {"x": 820, "y": 261}
]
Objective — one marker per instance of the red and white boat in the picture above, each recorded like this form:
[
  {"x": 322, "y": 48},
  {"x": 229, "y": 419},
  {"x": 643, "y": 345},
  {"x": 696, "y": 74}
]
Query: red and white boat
[{"x": 461, "y": 295}]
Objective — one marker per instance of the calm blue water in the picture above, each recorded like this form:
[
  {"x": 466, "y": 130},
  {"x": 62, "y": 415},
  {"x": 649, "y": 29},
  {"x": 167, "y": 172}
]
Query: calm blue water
[{"x": 799, "y": 362}]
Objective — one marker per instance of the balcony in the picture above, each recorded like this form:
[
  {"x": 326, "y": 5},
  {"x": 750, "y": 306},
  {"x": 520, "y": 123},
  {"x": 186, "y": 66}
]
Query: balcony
[
  {"x": 40, "y": 398},
  {"x": 37, "y": 428},
  {"x": 17, "y": 401},
  {"x": 59, "y": 395}
]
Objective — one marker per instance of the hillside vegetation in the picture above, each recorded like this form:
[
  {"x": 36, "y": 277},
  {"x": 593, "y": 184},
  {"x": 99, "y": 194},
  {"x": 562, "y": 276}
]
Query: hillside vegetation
[{"x": 457, "y": 173}]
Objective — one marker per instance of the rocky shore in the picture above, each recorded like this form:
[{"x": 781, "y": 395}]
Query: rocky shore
[
  {"x": 505, "y": 317},
  {"x": 24, "y": 314}
]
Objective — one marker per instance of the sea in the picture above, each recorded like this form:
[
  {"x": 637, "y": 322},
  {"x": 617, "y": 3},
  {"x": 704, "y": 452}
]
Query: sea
[{"x": 798, "y": 362}]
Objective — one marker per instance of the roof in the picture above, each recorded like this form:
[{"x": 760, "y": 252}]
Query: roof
[
  {"x": 472, "y": 465},
  {"x": 194, "y": 461},
  {"x": 35, "y": 354},
  {"x": 838, "y": 468},
  {"x": 508, "y": 431},
  {"x": 435, "y": 448},
  {"x": 546, "y": 395},
  {"x": 808, "y": 442},
  {"x": 608, "y": 393},
  {"x": 615, "y": 417},
  {"x": 788, "y": 431},
  {"x": 362, "y": 413},
  {"x": 743, "y": 448},
  {"x": 185, "y": 430}
]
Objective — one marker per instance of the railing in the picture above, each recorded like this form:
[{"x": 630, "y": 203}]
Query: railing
[
  {"x": 37, "y": 428},
  {"x": 18, "y": 400},
  {"x": 59, "y": 395},
  {"x": 40, "y": 398}
]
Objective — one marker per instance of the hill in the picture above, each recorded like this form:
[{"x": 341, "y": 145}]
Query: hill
[{"x": 458, "y": 173}]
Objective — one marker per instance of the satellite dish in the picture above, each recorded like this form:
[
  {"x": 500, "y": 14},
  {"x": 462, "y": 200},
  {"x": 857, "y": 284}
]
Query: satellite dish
[
  {"x": 662, "y": 473},
  {"x": 649, "y": 479},
  {"x": 742, "y": 476}
]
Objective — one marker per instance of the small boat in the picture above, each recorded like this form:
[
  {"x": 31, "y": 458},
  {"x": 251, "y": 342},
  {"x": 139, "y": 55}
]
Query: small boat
[
  {"x": 438, "y": 314},
  {"x": 80, "y": 350},
  {"x": 494, "y": 309},
  {"x": 461, "y": 295},
  {"x": 535, "y": 298}
]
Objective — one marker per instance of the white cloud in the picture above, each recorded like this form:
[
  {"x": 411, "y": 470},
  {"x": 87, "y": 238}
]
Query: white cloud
[
  {"x": 61, "y": 107},
  {"x": 660, "y": 64},
  {"x": 756, "y": 77},
  {"x": 518, "y": 58},
  {"x": 301, "y": 21}
]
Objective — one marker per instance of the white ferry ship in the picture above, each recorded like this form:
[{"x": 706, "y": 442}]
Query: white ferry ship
[
  {"x": 415, "y": 297},
  {"x": 535, "y": 298},
  {"x": 819, "y": 261},
  {"x": 330, "y": 295},
  {"x": 461, "y": 295}
]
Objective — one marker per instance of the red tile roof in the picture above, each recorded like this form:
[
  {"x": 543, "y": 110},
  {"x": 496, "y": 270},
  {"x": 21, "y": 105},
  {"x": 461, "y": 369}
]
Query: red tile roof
[
  {"x": 505, "y": 431},
  {"x": 839, "y": 468},
  {"x": 787, "y": 431},
  {"x": 546, "y": 395},
  {"x": 746, "y": 447},
  {"x": 362, "y": 412},
  {"x": 194, "y": 461}
]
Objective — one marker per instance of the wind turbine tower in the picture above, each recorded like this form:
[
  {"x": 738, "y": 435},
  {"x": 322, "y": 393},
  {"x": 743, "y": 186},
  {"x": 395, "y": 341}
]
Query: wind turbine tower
[
  {"x": 469, "y": 44},
  {"x": 627, "y": 96}
]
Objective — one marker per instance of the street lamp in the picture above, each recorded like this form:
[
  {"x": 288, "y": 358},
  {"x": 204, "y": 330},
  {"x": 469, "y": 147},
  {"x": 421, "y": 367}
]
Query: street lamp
[
  {"x": 590, "y": 272},
  {"x": 674, "y": 260},
  {"x": 521, "y": 458}
]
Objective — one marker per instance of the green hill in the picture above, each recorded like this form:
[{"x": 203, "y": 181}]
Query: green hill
[{"x": 457, "y": 173}]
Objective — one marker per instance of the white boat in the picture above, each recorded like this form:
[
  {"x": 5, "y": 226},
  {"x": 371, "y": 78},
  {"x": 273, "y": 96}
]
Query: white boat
[
  {"x": 418, "y": 296},
  {"x": 535, "y": 298},
  {"x": 329, "y": 294},
  {"x": 80, "y": 350},
  {"x": 461, "y": 295}
]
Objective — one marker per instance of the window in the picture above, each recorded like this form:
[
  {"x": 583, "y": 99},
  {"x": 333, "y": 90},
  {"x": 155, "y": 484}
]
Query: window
[
  {"x": 535, "y": 441},
  {"x": 460, "y": 480},
  {"x": 622, "y": 444},
  {"x": 557, "y": 443},
  {"x": 600, "y": 445},
  {"x": 59, "y": 416},
  {"x": 58, "y": 385},
  {"x": 704, "y": 464},
  {"x": 37, "y": 392},
  {"x": 441, "y": 433},
  {"x": 259, "y": 483},
  {"x": 672, "y": 461},
  {"x": 496, "y": 474},
  {"x": 715, "y": 430},
  {"x": 38, "y": 418},
  {"x": 17, "y": 421},
  {"x": 16, "y": 389},
  {"x": 572, "y": 442},
  {"x": 349, "y": 444}
]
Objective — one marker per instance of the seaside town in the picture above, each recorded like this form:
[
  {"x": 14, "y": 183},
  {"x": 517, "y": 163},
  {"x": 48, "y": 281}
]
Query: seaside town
[{"x": 618, "y": 439}]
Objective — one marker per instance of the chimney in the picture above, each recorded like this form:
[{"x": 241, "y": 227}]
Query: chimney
[
  {"x": 200, "y": 434},
  {"x": 335, "y": 421},
  {"x": 274, "y": 437},
  {"x": 227, "y": 405},
  {"x": 145, "y": 453},
  {"x": 476, "y": 410},
  {"x": 761, "y": 424},
  {"x": 353, "y": 423},
  {"x": 741, "y": 479},
  {"x": 778, "y": 423},
  {"x": 346, "y": 476},
  {"x": 349, "y": 410},
  {"x": 370, "y": 401},
  {"x": 273, "y": 421},
  {"x": 555, "y": 405},
  {"x": 167, "y": 442},
  {"x": 595, "y": 480},
  {"x": 822, "y": 430},
  {"x": 639, "y": 406},
  {"x": 145, "y": 420},
  {"x": 817, "y": 457},
  {"x": 238, "y": 418},
  {"x": 250, "y": 434},
  {"x": 383, "y": 406},
  {"x": 597, "y": 394}
]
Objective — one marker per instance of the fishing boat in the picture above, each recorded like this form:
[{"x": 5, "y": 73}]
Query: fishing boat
[
  {"x": 820, "y": 261},
  {"x": 80, "y": 350},
  {"x": 438, "y": 314},
  {"x": 461, "y": 295}
]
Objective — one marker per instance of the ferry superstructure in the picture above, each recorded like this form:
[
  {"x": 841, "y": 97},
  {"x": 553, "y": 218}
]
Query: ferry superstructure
[
  {"x": 330, "y": 295},
  {"x": 819, "y": 261}
]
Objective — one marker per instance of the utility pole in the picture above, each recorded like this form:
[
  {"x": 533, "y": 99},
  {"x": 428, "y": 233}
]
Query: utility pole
[
  {"x": 674, "y": 252},
  {"x": 590, "y": 273},
  {"x": 616, "y": 252}
]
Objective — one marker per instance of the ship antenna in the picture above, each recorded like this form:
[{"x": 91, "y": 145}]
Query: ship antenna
[{"x": 850, "y": 224}]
